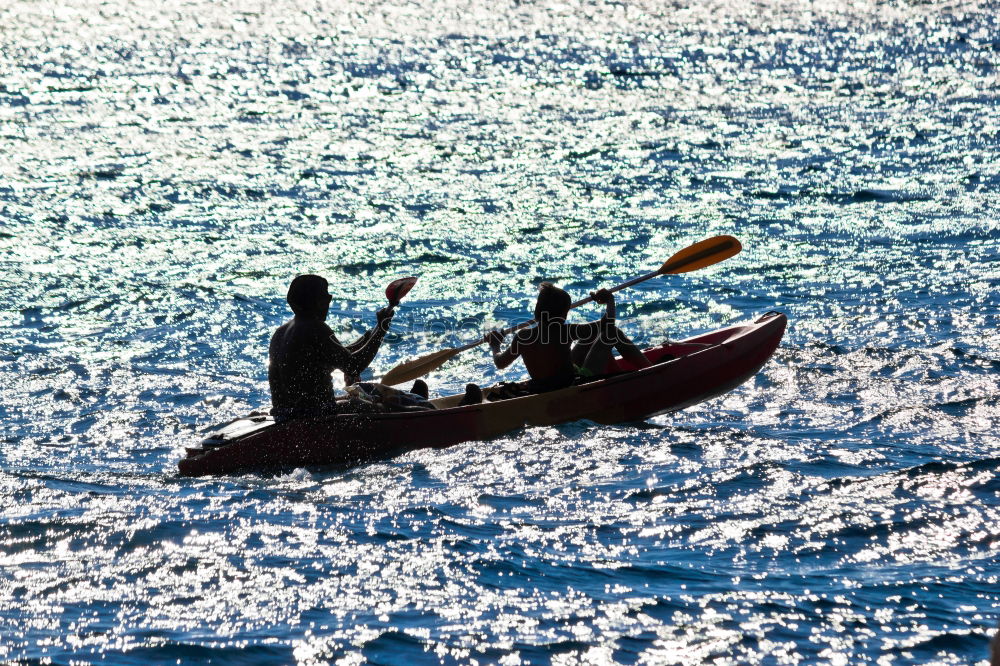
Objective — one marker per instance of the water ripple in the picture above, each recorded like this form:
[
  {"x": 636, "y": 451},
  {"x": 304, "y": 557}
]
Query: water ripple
[{"x": 171, "y": 168}]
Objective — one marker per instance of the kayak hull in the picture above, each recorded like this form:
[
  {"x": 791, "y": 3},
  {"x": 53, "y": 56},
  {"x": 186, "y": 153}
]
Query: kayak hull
[{"x": 684, "y": 373}]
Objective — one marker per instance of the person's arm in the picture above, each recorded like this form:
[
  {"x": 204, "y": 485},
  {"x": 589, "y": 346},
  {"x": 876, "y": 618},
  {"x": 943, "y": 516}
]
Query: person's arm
[
  {"x": 363, "y": 350},
  {"x": 606, "y": 324},
  {"x": 591, "y": 331},
  {"x": 352, "y": 359},
  {"x": 333, "y": 355},
  {"x": 382, "y": 318},
  {"x": 606, "y": 297},
  {"x": 502, "y": 358}
]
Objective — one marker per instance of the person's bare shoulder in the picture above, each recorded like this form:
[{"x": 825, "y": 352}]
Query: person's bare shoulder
[{"x": 281, "y": 330}]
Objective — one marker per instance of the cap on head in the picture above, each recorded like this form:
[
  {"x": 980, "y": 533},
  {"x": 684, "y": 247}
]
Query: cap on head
[
  {"x": 552, "y": 303},
  {"x": 305, "y": 291}
]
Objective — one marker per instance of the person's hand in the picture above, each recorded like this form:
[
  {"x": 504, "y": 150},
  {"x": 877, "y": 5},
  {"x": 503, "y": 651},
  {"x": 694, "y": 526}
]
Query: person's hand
[
  {"x": 602, "y": 296},
  {"x": 493, "y": 338},
  {"x": 383, "y": 317}
]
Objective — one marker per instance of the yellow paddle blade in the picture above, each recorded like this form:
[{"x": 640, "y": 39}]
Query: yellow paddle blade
[
  {"x": 418, "y": 367},
  {"x": 707, "y": 252}
]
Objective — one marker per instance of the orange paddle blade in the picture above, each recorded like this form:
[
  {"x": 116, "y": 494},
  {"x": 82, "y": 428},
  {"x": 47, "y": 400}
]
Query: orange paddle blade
[
  {"x": 418, "y": 367},
  {"x": 707, "y": 252}
]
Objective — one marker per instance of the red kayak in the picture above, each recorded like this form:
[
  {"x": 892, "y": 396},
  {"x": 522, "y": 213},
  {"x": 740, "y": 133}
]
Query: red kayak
[{"x": 683, "y": 373}]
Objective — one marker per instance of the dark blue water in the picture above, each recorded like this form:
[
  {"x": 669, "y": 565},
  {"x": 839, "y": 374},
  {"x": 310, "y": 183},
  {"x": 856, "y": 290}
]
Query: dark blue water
[{"x": 168, "y": 169}]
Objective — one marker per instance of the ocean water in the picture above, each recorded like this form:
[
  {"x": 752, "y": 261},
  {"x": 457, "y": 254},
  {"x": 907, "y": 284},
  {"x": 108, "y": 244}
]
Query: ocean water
[{"x": 167, "y": 168}]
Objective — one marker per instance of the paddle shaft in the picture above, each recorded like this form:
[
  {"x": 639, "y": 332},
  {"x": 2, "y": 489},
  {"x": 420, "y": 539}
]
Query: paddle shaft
[
  {"x": 704, "y": 253},
  {"x": 583, "y": 301},
  {"x": 667, "y": 268}
]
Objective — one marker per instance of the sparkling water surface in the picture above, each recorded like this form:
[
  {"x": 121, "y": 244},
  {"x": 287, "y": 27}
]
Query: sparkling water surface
[{"x": 168, "y": 167}]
